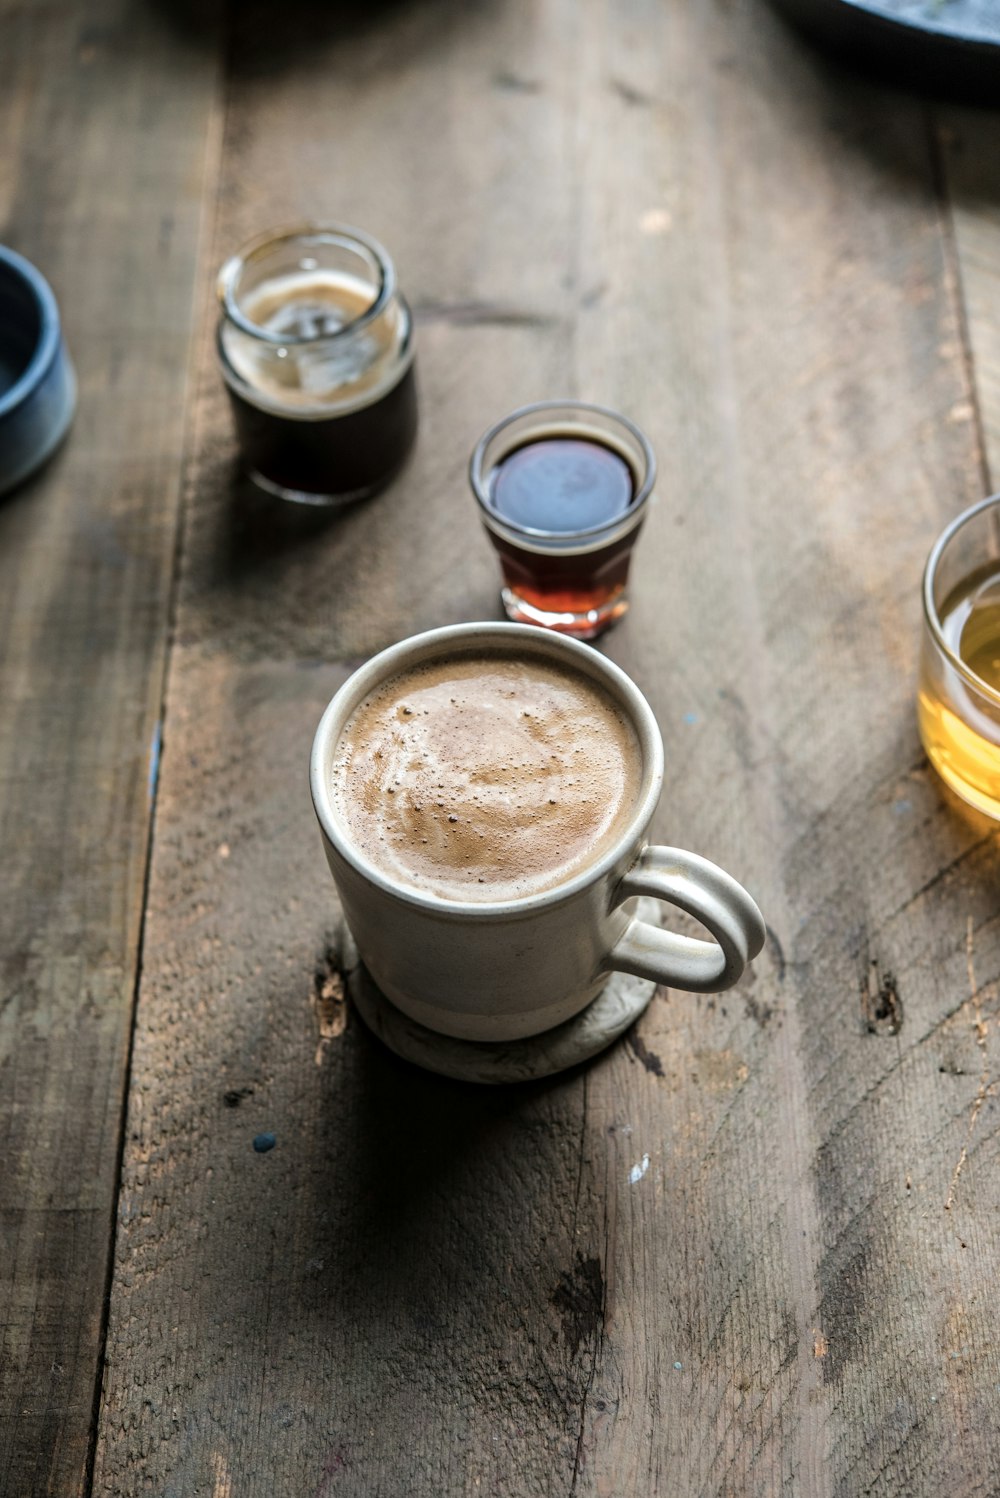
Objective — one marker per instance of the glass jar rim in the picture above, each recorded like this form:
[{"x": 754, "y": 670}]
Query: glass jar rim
[
  {"x": 638, "y": 501},
  {"x": 992, "y": 501},
  {"x": 341, "y": 234}
]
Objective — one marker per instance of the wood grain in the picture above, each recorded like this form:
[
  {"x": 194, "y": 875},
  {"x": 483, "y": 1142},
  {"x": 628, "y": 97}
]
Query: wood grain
[
  {"x": 105, "y": 114},
  {"x": 750, "y": 1251},
  {"x": 968, "y": 141},
  {"x": 789, "y": 597}
]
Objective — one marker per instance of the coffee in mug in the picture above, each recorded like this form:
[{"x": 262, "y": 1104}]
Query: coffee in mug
[
  {"x": 486, "y": 777},
  {"x": 484, "y": 792}
]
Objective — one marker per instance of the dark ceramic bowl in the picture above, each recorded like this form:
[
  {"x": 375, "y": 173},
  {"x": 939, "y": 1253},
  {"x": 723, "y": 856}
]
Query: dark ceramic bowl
[
  {"x": 946, "y": 47},
  {"x": 37, "y": 385}
]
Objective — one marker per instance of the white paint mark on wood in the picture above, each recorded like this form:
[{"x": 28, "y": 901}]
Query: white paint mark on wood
[
  {"x": 656, "y": 221},
  {"x": 638, "y": 1171}
]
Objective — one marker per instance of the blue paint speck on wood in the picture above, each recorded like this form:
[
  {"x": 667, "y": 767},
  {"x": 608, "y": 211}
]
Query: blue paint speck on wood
[
  {"x": 678, "y": 1366},
  {"x": 154, "y": 762},
  {"x": 264, "y": 1142}
]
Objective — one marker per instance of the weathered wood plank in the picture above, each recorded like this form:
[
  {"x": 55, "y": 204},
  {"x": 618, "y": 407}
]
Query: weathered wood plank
[
  {"x": 834, "y": 413},
  {"x": 425, "y": 1289},
  {"x": 105, "y": 116},
  {"x": 969, "y": 143}
]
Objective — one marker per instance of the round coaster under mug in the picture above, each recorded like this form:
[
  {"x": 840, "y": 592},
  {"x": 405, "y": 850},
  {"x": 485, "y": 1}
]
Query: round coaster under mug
[{"x": 619, "y": 1004}]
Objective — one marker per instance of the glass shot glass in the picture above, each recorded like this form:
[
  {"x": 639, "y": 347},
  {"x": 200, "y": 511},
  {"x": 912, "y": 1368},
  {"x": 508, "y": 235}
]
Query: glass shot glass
[
  {"x": 958, "y": 699},
  {"x": 563, "y": 489},
  {"x": 315, "y": 344}
]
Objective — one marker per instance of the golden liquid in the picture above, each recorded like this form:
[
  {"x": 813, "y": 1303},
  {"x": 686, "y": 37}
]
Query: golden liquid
[{"x": 959, "y": 726}]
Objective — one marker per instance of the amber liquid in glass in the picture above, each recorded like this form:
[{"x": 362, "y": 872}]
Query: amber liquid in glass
[
  {"x": 960, "y": 727},
  {"x": 559, "y": 486}
]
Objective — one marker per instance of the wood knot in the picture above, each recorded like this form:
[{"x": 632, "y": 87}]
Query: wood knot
[
  {"x": 881, "y": 1004},
  {"x": 579, "y": 1299}
]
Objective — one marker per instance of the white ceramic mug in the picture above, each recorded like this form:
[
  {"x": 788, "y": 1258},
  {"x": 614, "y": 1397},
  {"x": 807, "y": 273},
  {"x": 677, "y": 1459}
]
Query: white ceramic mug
[{"x": 501, "y": 970}]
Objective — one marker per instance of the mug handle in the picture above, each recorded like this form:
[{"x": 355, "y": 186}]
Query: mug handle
[{"x": 708, "y": 893}]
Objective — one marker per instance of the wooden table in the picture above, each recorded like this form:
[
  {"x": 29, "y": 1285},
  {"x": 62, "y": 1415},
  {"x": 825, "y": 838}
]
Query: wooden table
[{"x": 791, "y": 279}]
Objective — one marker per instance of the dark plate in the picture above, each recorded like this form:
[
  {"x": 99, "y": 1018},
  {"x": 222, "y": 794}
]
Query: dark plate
[{"x": 947, "y": 46}]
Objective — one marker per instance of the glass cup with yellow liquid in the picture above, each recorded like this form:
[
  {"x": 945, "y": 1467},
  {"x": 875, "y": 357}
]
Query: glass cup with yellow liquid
[{"x": 958, "y": 703}]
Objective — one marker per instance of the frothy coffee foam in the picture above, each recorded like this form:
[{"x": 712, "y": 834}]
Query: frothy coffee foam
[{"x": 486, "y": 777}]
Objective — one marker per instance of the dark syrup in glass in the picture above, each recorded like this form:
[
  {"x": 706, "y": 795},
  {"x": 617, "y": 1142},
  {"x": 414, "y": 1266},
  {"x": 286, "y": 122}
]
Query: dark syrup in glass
[{"x": 560, "y": 486}]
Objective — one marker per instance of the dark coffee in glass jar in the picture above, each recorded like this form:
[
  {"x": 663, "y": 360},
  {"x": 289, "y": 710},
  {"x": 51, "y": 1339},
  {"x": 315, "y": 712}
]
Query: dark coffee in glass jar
[
  {"x": 563, "y": 489},
  {"x": 316, "y": 348}
]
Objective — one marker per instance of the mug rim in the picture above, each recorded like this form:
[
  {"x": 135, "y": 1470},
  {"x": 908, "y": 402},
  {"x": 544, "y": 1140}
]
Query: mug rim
[
  {"x": 47, "y": 347},
  {"x": 430, "y": 644}
]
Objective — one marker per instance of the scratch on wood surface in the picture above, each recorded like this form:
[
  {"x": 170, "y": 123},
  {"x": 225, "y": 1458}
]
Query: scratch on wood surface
[
  {"x": 581, "y": 1299},
  {"x": 329, "y": 1004},
  {"x": 513, "y": 83},
  {"x": 980, "y": 1027},
  {"x": 631, "y": 95},
  {"x": 222, "y": 1482},
  {"x": 820, "y": 1344},
  {"x": 942, "y": 874},
  {"x": 475, "y": 314}
]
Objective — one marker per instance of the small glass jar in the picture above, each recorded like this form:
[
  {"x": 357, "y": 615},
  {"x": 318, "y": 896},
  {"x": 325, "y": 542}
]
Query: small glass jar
[
  {"x": 565, "y": 523},
  {"x": 315, "y": 342}
]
